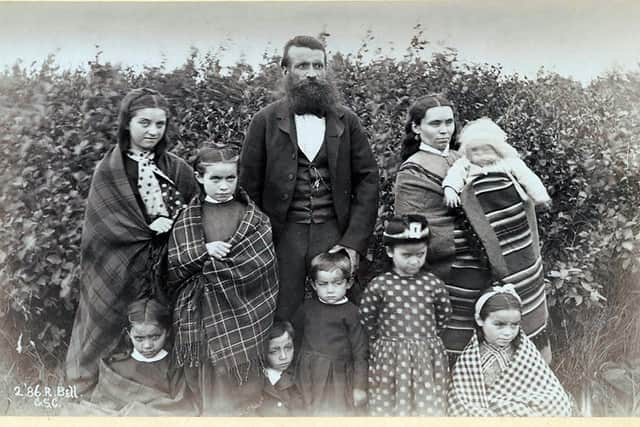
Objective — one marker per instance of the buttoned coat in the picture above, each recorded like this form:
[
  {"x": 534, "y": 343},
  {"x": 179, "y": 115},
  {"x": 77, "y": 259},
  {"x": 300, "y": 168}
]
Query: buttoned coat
[{"x": 269, "y": 162}]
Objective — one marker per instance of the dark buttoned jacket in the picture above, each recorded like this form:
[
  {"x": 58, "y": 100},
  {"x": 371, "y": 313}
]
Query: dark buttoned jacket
[{"x": 269, "y": 162}]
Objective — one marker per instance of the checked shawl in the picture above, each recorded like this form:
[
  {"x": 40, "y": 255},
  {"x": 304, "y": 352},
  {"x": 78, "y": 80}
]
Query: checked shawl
[
  {"x": 121, "y": 259},
  {"x": 225, "y": 307},
  {"x": 527, "y": 387}
]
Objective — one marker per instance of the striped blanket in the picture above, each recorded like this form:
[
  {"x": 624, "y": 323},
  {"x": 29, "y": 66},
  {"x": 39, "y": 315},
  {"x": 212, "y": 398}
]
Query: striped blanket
[
  {"x": 506, "y": 225},
  {"x": 121, "y": 258},
  {"x": 224, "y": 307},
  {"x": 526, "y": 387}
]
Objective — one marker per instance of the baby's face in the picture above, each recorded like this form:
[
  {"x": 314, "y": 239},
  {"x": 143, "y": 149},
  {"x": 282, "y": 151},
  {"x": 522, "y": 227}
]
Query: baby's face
[
  {"x": 482, "y": 155},
  {"x": 280, "y": 352}
]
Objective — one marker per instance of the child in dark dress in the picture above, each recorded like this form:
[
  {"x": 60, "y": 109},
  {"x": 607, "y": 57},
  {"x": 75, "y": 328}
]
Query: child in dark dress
[
  {"x": 332, "y": 360},
  {"x": 138, "y": 382},
  {"x": 280, "y": 395},
  {"x": 222, "y": 267}
]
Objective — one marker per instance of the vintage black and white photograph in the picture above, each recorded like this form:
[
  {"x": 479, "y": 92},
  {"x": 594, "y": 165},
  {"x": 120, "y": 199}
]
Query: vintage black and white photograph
[{"x": 306, "y": 209}]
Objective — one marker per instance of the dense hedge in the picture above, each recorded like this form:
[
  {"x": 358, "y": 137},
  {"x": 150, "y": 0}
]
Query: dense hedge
[{"x": 583, "y": 142}]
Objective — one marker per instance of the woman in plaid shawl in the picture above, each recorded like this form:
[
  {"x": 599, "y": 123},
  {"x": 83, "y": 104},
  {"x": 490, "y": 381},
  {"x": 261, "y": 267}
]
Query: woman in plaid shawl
[
  {"x": 500, "y": 372},
  {"x": 222, "y": 268},
  {"x": 137, "y": 190}
]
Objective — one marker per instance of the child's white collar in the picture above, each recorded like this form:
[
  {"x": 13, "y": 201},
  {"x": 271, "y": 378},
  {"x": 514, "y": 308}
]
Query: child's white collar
[
  {"x": 273, "y": 375},
  {"x": 217, "y": 202},
  {"x": 136, "y": 355},
  {"x": 342, "y": 301}
]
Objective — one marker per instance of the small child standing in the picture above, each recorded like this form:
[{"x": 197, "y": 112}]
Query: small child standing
[
  {"x": 222, "y": 267},
  {"x": 332, "y": 359},
  {"x": 500, "y": 372},
  {"x": 280, "y": 395},
  {"x": 403, "y": 311},
  {"x": 137, "y": 382},
  {"x": 484, "y": 149}
]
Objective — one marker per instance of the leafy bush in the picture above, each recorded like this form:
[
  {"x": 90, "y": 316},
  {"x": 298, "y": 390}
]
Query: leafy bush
[{"x": 582, "y": 141}]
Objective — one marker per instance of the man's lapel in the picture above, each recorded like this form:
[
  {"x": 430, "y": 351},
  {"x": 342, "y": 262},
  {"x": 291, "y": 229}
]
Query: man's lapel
[
  {"x": 333, "y": 132},
  {"x": 286, "y": 122}
]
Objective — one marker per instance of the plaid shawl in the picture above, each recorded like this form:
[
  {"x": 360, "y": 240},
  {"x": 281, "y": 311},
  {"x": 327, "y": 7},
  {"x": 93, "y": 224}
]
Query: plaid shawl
[
  {"x": 507, "y": 227},
  {"x": 527, "y": 387},
  {"x": 121, "y": 258},
  {"x": 229, "y": 304}
]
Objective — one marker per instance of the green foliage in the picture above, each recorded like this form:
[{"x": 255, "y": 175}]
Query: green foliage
[{"x": 582, "y": 141}]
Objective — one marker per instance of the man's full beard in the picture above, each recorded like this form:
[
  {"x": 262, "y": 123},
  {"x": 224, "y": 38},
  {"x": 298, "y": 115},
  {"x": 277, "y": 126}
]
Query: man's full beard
[{"x": 310, "y": 96}]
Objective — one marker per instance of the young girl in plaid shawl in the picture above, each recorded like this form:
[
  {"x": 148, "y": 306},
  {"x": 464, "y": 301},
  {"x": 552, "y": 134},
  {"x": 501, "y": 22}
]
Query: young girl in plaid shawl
[
  {"x": 222, "y": 268},
  {"x": 137, "y": 190},
  {"x": 404, "y": 312},
  {"x": 500, "y": 372}
]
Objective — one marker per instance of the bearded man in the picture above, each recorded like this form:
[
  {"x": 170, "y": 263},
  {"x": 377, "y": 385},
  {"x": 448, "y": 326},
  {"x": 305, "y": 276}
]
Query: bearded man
[{"x": 307, "y": 164}]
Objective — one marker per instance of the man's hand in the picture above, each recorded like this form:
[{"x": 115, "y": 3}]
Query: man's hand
[
  {"x": 354, "y": 256},
  {"x": 451, "y": 198},
  {"x": 218, "y": 249},
  {"x": 161, "y": 225}
]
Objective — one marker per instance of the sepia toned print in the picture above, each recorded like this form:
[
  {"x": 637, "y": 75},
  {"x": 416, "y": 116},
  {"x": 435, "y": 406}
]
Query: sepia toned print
[{"x": 322, "y": 143}]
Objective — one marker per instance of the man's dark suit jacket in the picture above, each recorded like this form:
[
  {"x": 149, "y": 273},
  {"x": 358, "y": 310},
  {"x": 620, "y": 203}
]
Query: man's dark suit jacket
[{"x": 269, "y": 162}]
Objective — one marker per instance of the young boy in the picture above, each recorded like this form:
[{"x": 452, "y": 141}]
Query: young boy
[
  {"x": 223, "y": 267},
  {"x": 332, "y": 364},
  {"x": 280, "y": 395}
]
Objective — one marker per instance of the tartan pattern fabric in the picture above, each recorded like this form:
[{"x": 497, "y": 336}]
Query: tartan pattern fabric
[
  {"x": 507, "y": 227},
  {"x": 121, "y": 259},
  {"x": 224, "y": 308},
  {"x": 527, "y": 387}
]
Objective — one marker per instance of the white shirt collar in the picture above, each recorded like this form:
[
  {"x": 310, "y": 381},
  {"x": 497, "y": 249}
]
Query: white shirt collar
[
  {"x": 342, "y": 301},
  {"x": 430, "y": 149},
  {"x": 136, "y": 355},
  {"x": 273, "y": 375},
  {"x": 216, "y": 202},
  {"x": 310, "y": 130}
]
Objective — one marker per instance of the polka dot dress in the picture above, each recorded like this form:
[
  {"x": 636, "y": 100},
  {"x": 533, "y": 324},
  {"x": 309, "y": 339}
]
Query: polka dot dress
[
  {"x": 408, "y": 368},
  {"x": 158, "y": 192}
]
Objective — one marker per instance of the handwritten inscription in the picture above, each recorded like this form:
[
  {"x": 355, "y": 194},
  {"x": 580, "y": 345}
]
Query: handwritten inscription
[{"x": 45, "y": 396}]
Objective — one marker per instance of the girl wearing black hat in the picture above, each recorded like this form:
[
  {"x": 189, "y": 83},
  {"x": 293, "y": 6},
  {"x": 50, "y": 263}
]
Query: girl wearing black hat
[{"x": 403, "y": 312}]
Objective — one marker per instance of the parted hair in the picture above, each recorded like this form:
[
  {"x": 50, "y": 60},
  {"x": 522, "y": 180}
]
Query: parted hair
[
  {"x": 214, "y": 152},
  {"x": 149, "y": 310},
  {"x": 416, "y": 113},
  {"x": 326, "y": 261},
  {"x": 135, "y": 100}
]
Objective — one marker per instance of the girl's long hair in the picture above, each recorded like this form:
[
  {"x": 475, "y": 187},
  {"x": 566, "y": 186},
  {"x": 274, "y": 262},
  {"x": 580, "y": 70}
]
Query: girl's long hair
[{"x": 135, "y": 100}]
